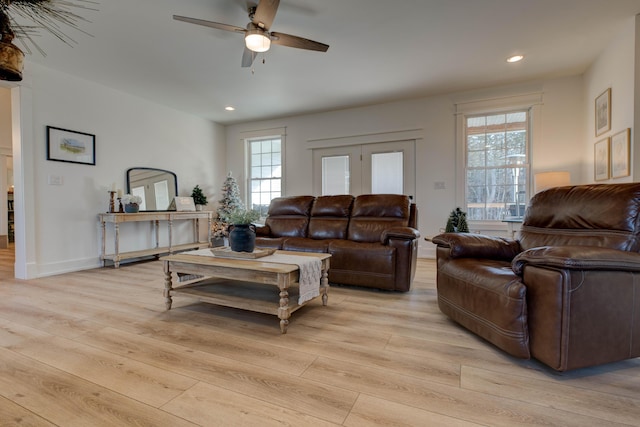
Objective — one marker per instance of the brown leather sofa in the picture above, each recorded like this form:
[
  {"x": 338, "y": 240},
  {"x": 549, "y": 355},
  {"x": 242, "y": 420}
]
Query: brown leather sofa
[
  {"x": 372, "y": 239},
  {"x": 567, "y": 292}
]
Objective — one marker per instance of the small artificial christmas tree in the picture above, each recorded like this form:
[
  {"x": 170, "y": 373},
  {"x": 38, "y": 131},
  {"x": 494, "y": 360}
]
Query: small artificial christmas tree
[
  {"x": 457, "y": 222},
  {"x": 230, "y": 201}
]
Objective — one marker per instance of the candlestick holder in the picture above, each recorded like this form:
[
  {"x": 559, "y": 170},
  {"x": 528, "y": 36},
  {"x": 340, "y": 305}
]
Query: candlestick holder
[
  {"x": 120, "y": 208},
  {"x": 112, "y": 201}
]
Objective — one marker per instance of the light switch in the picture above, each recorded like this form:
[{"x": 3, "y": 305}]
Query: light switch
[{"x": 438, "y": 185}]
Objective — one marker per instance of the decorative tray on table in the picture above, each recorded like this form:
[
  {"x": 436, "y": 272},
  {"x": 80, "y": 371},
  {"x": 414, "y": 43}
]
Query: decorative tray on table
[{"x": 226, "y": 252}]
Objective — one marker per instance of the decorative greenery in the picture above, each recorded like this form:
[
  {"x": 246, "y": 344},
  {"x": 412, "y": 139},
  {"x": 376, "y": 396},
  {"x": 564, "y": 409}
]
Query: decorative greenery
[
  {"x": 198, "y": 196},
  {"x": 130, "y": 199},
  {"x": 241, "y": 216},
  {"x": 231, "y": 200},
  {"x": 49, "y": 15},
  {"x": 457, "y": 222}
]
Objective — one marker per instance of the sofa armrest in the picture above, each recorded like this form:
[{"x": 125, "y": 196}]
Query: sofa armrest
[
  {"x": 263, "y": 231},
  {"x": 471, "y": 245},
  {"x": 404, "y": 233},
  {"x": 577, "y": 258}
]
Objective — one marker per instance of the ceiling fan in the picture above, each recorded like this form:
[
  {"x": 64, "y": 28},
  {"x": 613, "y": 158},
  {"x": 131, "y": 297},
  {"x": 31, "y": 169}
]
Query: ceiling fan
[{"x": 257, "y": 36}]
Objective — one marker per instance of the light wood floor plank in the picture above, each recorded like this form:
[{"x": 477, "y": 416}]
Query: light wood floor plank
[
  {"x": 139, "y": 381},
  {"x": 552, "y": 394},
  {"x": 209, "y": 405},
  {"x": 372, "y": 411},
  {"x": 67, "y": 400},
  {"x": 431, "y": 396},
  {"x": 312, "y": 397},
  {"x": 12, "y": 415}
]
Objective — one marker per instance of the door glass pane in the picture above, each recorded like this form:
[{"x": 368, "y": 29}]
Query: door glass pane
[
  {"x": 387, "y": 173},
  {"x": 335, "y": 175}
]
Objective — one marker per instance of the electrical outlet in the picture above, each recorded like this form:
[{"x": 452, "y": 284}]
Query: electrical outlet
[{"x": 55, "y": 180}]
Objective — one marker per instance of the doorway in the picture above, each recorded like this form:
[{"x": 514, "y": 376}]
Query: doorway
[
  {"x": 6, "y": 171},
  {"x": 377, "y": 168}
]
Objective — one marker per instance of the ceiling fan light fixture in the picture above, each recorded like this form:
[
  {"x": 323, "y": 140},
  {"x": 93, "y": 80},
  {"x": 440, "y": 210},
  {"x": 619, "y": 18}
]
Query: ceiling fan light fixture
[{"x": 257, "y": 40}]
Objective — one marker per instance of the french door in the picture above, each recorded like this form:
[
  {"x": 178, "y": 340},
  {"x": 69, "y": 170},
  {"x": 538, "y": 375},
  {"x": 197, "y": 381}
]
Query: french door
[{"x": 387, "y": 167}]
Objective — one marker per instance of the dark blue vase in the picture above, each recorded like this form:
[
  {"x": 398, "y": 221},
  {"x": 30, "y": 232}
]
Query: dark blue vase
[
  {"x": 242, "y": 238},
  {"x": 131, "y": 208}
]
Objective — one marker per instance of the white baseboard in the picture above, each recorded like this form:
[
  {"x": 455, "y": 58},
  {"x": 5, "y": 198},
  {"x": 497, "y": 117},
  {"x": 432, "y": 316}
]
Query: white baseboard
[{"x": 55, "y": 268}]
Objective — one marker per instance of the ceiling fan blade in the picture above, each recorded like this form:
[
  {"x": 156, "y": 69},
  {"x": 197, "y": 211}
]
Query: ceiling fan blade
[
  {"x": 210, "y": 24},
  {"x": 299, "y": 42},
  {"x": 265, "y": 13},
  {"x": 247, "y": 57}
]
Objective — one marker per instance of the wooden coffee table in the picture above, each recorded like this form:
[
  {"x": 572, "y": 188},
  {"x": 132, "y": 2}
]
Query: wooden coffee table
[{"x": 241, "y": 283}]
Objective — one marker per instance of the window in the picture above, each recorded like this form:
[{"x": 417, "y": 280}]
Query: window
[
  {"x": 497, "y": 165},
  {"x": 265, "y": 172}
]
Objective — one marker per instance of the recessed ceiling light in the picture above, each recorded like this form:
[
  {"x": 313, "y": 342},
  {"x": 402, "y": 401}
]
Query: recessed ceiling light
[
  {"x": 229, "y": 108},
  {"x": 515, "y": 58}
]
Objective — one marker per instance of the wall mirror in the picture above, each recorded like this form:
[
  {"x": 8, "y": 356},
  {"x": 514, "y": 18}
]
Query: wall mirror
[{"x": 156, "y": 187}]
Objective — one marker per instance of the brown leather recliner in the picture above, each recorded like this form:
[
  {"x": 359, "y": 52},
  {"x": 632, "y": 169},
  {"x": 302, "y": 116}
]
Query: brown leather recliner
[
  {"x": 567, "y": 292},
  {"x": 372, "y": 238}
]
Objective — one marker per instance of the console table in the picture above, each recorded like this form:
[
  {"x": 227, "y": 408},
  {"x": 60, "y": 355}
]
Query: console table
[{"x": 154, "y": 217}]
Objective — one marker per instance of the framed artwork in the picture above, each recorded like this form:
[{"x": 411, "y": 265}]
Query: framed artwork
[
  {"x": 603, "y": 112},
  {"x": 601, "y": 160},
  {"x": 64, "y": 145},
  {"x": 620, "y": 153}
]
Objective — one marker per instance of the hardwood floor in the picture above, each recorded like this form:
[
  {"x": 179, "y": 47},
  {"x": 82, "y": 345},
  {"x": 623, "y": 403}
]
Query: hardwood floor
[{"x": 97, "y": 348}]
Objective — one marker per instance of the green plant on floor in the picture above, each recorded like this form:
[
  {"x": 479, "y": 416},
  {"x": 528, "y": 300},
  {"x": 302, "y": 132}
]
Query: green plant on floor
[{"x": 457, "y": 222}]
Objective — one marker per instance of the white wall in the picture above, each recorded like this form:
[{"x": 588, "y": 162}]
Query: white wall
[
  {"x": 560, "y": 137},
  {"x": 614, "y": 68},
  {"x": 129, "y": 132}
]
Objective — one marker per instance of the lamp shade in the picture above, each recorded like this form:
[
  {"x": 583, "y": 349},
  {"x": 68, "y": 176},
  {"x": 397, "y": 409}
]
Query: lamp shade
[
  {"x": 257, "y": 41},
  {"x": 545, "y": 180}
]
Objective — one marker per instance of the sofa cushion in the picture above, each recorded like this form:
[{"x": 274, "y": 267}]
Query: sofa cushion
[
  {"x": 269, "y": 242},
  {"x": 486, "y": 297},
  {"x": 289, "y": 216},
  {"x": 304, "y": 244},
  {"x": 330, "y": 217},
  {"x": 593, "y": 215},
  {"x": 373, "y": 213},
  {"x": 362, "y": 264}
]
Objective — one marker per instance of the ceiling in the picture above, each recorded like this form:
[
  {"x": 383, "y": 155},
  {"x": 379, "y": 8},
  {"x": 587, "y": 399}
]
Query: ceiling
[{"x": 379, "y": 50}]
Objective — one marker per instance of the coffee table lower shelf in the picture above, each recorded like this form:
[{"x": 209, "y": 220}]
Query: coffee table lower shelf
[{"x": 238, "y": 294}]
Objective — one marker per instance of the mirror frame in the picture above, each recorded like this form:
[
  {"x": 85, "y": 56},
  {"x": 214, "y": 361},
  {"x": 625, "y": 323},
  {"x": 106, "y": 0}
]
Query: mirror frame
[{"x": 175, "y": 179}]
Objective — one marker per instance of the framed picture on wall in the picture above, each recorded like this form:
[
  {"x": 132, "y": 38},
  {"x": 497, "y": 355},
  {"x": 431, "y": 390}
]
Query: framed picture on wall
[
  {"x": 603, "y": 112},
  {"x": 620, "y": 152},
  {"x": 64, "y": 145},
  {"x": 601, "y": 160}
]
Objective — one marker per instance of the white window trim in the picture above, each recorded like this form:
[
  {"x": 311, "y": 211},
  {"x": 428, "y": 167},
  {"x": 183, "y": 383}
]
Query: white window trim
[
  {"x": 530, "y": 101},
  {"x": 253, "y": 135}
]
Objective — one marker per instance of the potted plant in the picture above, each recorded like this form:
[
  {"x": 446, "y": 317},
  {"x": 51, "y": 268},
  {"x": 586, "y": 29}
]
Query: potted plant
[
  {"x": 242, "y": 234},
  {"x": 457, "y": 222},
  {"x": 198, "y": 197},
  {"x": 131, "y": 203}
]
